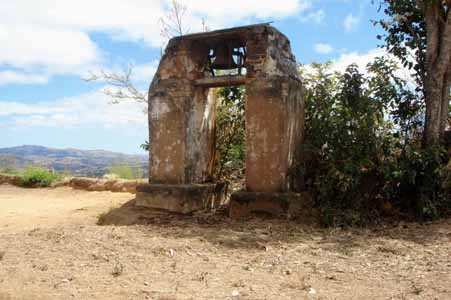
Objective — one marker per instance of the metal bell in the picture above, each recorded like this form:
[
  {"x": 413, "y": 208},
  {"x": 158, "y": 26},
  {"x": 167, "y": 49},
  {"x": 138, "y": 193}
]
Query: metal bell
[{"x": 224, "y": 58}]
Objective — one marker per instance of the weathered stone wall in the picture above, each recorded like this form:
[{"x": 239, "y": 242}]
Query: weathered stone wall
[
  {"x": 274, "y": 112},
  {"x": 273, "y": 131},
  {"x": 84, "y": 183},
  {"x": 200, "y": 136},
  {"x": 182, "y": 115},
  {"x": 98, "y": 185},
  {"x": 181, "y": 119},
  {"x": 269, "y": 54}
]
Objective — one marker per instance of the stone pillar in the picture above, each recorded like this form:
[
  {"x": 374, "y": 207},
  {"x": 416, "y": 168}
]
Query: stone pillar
[
  {"x": 273, "y": 118},
  {"x": 182, "y": 134},
  {"x": 181, "y": 119},
  {"x": 168, "y": 120},
  {"x": 274, "y": 127}
]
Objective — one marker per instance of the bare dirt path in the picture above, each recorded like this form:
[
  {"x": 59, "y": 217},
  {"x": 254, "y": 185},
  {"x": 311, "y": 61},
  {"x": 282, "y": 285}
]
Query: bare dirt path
[
  {"x": 51, "y": 248},
  {"x": 25, "y": 209}
]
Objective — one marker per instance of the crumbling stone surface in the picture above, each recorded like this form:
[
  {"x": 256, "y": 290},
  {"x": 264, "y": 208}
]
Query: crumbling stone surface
[
  {"x": 98, "y": 185},
  {"x": 289, "y": 205},
  {"x": 182, "y": 110},
  {"x": 84, "y": 183},
  {"x": 10, "y": 179},
  {"x": 181, "y": 198},
  {"x": 274, "y": 124}
]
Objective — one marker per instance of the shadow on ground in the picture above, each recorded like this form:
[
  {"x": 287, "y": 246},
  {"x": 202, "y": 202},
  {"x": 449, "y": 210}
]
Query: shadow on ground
[{"x": 259, "y": 231}]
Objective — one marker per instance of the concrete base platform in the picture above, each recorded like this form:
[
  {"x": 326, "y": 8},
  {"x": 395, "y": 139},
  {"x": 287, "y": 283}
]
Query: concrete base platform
[
  {"x": 181, "y": 198},
  {"x": 288, "y": 205}
]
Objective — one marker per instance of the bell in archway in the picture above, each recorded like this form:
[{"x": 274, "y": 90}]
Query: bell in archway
[{"x": 223, "y": 58}]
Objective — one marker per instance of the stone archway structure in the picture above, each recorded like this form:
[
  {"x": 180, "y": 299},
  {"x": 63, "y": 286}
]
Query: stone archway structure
[{"x": 182, "y": 121}]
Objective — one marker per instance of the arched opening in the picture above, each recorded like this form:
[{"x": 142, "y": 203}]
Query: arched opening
[
  {"x": 183, "y": 114},
  {"x": 230, "y": 136}
]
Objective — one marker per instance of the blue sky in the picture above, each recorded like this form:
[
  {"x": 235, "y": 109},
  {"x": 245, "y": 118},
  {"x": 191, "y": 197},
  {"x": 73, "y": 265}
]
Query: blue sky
[{"x": 48, "y": 47}]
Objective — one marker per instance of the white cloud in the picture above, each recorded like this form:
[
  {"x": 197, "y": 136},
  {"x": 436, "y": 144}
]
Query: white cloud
[
  {"x": 48, "y": 37},
  {"x": 315, "y": 17},
  {"x": 351, "y": 22},
  {"x": 90, "y": 109},
  {"x": 237, "y": 10},
  {"x": 13, "y": 77},
  {"x": 323, "y": 48},
  {"x": 362, "y": 59},
  {"x": 24, "y": 46},
  {"x": 136, "y": 19}
]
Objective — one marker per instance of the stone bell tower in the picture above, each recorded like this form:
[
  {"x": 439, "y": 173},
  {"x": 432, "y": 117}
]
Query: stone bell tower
[{"x": 182, "y": 120}]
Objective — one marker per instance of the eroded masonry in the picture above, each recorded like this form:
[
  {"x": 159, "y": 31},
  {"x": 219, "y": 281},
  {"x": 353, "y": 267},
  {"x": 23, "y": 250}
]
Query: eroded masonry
[{"x": 182, "y": 121}]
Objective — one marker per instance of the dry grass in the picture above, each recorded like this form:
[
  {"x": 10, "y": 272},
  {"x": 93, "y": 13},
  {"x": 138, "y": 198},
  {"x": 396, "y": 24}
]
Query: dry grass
[{"x": 160, "y": 256}]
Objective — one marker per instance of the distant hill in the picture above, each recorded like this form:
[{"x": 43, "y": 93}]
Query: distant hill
[{"x": 76, "y": 162}]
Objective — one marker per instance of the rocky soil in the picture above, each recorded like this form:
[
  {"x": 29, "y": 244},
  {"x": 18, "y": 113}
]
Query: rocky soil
[{"x": 52, "y": 248}]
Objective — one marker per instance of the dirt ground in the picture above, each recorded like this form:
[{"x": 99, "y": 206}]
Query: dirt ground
[{"x": 51, "y": 248}]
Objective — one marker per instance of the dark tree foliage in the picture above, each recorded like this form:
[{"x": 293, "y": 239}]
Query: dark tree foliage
[
  {"x": 362, "y": 153},
  {"x": 230, "y": 133},
  {"x": 406, "y": 35},
  {"x": 418, "y": 32}
]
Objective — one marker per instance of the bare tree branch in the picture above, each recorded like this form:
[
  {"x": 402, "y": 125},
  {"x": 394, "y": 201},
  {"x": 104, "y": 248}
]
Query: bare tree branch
[
  {"x": 122, "y": 87},
  {"x": 172, "y": 24}
]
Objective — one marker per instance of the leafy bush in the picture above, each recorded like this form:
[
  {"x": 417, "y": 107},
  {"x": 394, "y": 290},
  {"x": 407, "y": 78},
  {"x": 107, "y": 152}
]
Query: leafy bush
[
  {"x": 417, "y": 182},
  {"x": 447, "y": 176},
  {"x": 37, "y": 177},
  {"x": 230, "y": 133},
  {"x": 363, "y": 149}
]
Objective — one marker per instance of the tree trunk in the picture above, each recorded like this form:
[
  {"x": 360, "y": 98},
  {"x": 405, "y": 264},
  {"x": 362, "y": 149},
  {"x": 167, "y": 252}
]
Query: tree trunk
[
  {"x": 433, "y": 110},
  {"x": 444, "y": 120},
  {"x": 438, "y": 32}
]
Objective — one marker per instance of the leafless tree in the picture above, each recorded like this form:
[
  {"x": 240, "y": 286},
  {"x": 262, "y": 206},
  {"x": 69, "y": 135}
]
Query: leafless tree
[
  {"x": 173, "y": 23},
  {"x": 120, "y": 84},
  {"x": 121, "y": 87}
]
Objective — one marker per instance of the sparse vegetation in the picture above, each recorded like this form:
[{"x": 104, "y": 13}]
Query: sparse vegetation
[
  {"x": 364, "y": 147},
  {"x": 34, "y": 176},
  {"x": 269, "y": 258},
  {"x": 126, "y": 171},
  {"x": 9, "y": 171},
  {"x": 372, "y": 138},
  {"x": 347, "y": 191},
  {"x": 230, "y": 133}
]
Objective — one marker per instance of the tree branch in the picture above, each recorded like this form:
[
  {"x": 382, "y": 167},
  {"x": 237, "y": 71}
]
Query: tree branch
[
  {"x": 122, "y": 82},
  {"x": 172, "y": 24}
]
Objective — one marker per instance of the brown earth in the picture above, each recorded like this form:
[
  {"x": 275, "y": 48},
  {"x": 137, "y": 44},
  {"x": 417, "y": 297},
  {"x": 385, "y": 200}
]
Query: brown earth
[{"x": 51, "y": 248}]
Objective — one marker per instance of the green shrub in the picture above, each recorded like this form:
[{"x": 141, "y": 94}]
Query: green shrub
[
  {"x": 347, "y": 137},
  {"x": 37, "y": 177},
  {"x": 417, "y": 182},
  {"x": 230, "y": 133},
  {"x": 363, "y": 147}
]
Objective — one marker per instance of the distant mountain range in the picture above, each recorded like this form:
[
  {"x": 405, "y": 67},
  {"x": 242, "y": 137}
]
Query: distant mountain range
[{"x": 76, "y": 162}]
